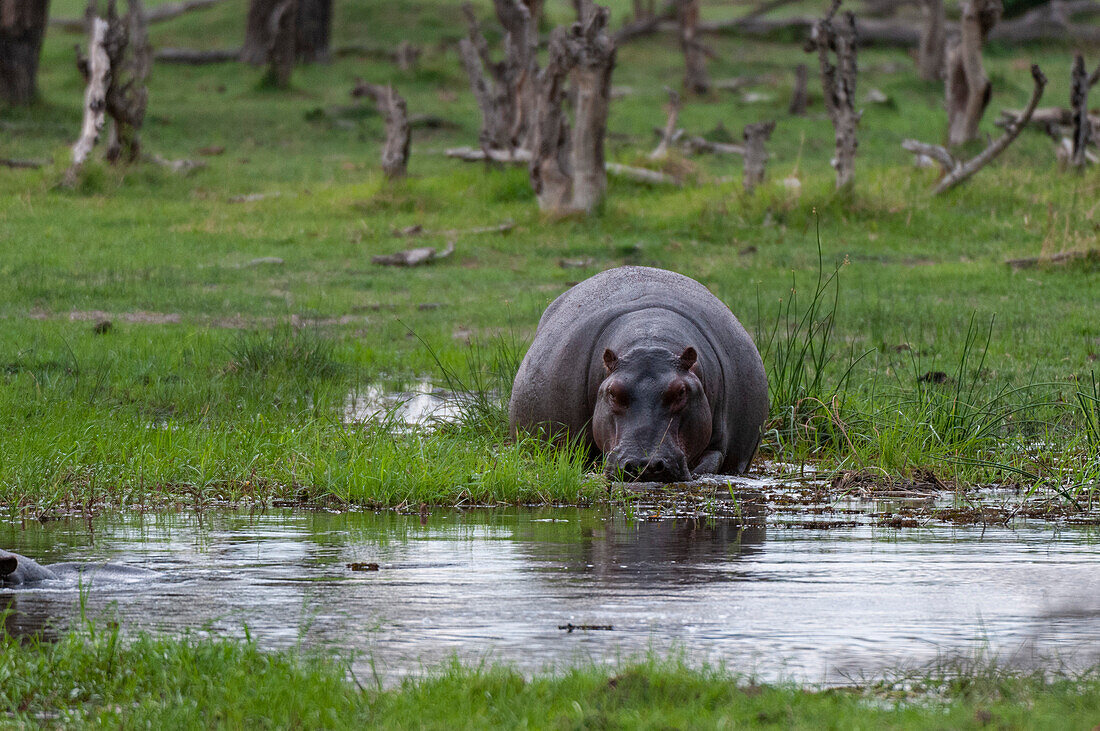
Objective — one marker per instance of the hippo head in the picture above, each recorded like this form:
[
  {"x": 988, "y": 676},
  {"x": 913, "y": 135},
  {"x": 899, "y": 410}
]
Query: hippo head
[
  {"x": 652, "y": 418},
  {"x": 9, "y": 562}
]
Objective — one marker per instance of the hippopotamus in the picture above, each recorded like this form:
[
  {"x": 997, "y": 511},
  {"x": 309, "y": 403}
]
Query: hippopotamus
[
  {"x": 650, "y": 369},
  {"x": 20, "y": 571}
]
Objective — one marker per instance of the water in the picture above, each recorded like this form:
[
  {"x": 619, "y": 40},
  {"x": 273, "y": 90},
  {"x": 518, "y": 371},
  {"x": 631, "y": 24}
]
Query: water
[{"x": 755, "y": 592}]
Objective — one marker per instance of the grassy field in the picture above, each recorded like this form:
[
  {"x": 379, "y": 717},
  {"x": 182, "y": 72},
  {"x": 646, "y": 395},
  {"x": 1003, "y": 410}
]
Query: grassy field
[
  {"x": 224, "y": 378},
  {"x": 93, "y": 677}
]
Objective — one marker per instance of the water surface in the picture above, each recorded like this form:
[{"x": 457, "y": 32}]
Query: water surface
[{"x": 757, "y": 593}]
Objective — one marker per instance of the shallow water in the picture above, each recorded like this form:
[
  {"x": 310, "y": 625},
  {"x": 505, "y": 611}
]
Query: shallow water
[{"x": 753, "y": 592}]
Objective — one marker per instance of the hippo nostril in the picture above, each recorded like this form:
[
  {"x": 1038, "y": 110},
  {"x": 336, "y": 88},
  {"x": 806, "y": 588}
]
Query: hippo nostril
[{"x": 657, "y": 466}]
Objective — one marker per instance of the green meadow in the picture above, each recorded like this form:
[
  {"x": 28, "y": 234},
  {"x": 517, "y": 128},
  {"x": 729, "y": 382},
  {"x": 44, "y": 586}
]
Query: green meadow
[{"x": 896, "y": 337}]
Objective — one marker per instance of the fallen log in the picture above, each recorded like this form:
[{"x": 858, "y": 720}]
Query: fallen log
[
  {"x": 22, "y": 164},
  {"x": 159, "y": 14},
  {"x": 1060, "y": 258},
  {"x": 195, "y": 57},
  {"x": 956, "y": 171},
  {"x": 698, "y": 144},
  {"x": 414, "y": 257},
  {"x": 523, "y": 157},
  {"x": 640, "y": 175}
]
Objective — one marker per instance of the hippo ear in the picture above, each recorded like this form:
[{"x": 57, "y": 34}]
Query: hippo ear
[
  {"x": 610, "y": 360},
  {"x": 688, "y": 358}
]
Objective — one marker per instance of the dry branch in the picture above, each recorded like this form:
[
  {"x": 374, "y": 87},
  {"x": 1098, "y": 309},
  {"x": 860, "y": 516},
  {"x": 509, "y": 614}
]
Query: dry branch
[
  {"x": 839, "y": 85},
  {"x": 22, "y": 164},
  {"x": 649, "y": 23},
  {"x": 395, "y": 150},
  {"x": 669, "y": 133},
  {"x": 168, "y": 11},
  {"x": 414, "y": 257},
  {"x": 1061, "y": 257},
  {"x": 756, "y": 156},
  {"x": 956, "y": 171},
  {"x": 640, "y": 175},
  {"x": 698, "y": 144}
]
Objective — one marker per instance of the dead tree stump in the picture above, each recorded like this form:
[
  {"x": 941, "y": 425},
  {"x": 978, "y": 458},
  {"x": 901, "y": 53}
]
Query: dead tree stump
[
  {"x": 968, "y": 88},
  {"x": 756, "y": 156},
  {"x": 395, "y": 150},
  {"x": 567, "y": 165},
  {"x": 799, "y": 98},
  {"x": 127, "y": 45},
  {"x": 696, "y": 80},
  {"x": 22, "y": 25},
  {"x": 839, "y": 86},
  {"x": 1083, "y": 133},
  {"x": 933, "y": 40},
  {"x": 504, "y": 90},
  {"x": 97, "y": 70}
]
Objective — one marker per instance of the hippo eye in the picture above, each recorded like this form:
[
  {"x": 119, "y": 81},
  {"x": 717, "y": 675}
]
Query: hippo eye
[
  {"x": 618, "y": 395},
  {"x": 676, "y": 396}
]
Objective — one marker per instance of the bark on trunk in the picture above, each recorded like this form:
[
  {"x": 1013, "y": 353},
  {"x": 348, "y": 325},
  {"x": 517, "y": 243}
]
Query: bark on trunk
[
  {"x": 1080, "y": 83},
  {"x": 567, "y": 169},
  {"x": 97, "y": 70},
  {"x": 257, "y": 39},
  {"x": 799, "y": 98},
  {"x": 756, "y": 156},
  {"x": 968, "y": 88},
  {"x": 395, "y": 150},
  {"x": 933, "y": 35},
  {"x": 696, "y": 80},
  {"x": 839, "y": 86},
  {"x": 22, "y": 24},
  {"x": 313, "y": 28}
]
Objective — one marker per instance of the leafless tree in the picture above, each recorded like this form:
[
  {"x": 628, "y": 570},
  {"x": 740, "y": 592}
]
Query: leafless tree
[
  {"x": 933, "y": 41},
  {"x": 838, "y": 83},
  {"x": 696, "y": 80},
  {"x": 1081, "y": 81},
  {"x": 22, "y": 25},
  {"x": 567, "y": 166},
  {"x": 968, "y": 87}
]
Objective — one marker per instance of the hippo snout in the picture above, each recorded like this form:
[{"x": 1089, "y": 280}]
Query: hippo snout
[{"x": 642, "y": 468}]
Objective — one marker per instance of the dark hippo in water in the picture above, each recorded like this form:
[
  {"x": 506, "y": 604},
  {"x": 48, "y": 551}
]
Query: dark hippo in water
[
  {"x": 20, "y": 571},
  {"x": 651, "y": 369}
]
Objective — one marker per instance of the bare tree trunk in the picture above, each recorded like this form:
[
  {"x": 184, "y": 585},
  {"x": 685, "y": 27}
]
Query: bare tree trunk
[
  {"x": 395, "y": 150},
  {"x": 696, "y": 80},
  {"x": 591, "y": 88},
  {"x": 505, "y": 90},
  {"x": 799, "y": 98},
  {"x": 271, "y": 36},
  {"x": 839, "y": 86},
  {"x": 756, "y": 156},
  {"x": 567, "y": 167},
  {"x": 933, "y": 35},
  {"x": 127, "y": 96},
  {"x": 1080, "y": 83},
  {"x": 281, "y": 53},
  {"x": 22, "y": 25},
  {"x": 968, "y": 88},
  {"x": 97, "y": 70},
  {"x": 313, "y": 29}
]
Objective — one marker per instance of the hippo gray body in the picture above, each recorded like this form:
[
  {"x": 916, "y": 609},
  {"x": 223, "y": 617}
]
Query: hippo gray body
[
  {"x": 653, "y": 313},
  {"x": 20, "y": 571}
]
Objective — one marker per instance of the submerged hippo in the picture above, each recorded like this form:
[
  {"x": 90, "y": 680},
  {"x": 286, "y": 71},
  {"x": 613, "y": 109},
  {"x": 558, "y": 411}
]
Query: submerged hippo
[
  {"x": 649, "y": 368},
  {"x": 16, "y": 571}
]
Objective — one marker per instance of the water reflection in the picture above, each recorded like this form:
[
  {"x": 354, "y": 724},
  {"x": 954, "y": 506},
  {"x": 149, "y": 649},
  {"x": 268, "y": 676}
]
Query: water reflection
[{"x": 777, "y": 601}]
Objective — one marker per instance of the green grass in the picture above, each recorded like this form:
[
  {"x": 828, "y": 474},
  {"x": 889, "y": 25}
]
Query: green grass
[
  {"x": 223, "y": 378},
  {"x": 95, "y": 677}
]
